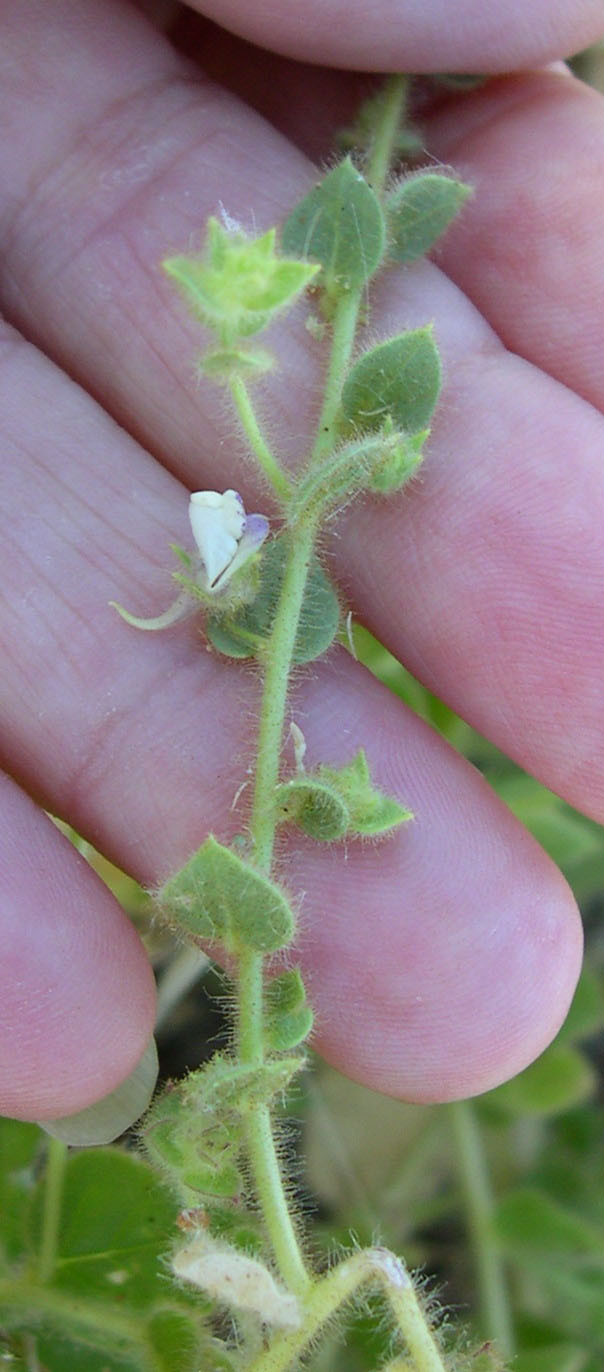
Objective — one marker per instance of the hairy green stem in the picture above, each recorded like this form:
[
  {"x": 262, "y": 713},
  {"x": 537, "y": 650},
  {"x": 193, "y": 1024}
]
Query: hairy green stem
[
  {"x": 280, "y": 482},
  {"x": 346, "y": 314},
  {"x": 375, "y": 1266},
  {"x": 56, "y": 1159},
  {"x": 387, "y": 129},
  {"x": 278, "y": 659},
  {"x": 492, "y": 1285}
]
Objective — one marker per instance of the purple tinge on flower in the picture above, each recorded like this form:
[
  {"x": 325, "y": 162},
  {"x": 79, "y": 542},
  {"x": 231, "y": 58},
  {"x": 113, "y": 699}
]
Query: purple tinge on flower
[{"x": 225, "y": 536}]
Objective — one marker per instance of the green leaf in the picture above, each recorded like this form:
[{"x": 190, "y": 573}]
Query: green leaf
[
  {"x": 116, "y": 1220},
  {"x": 197, "y": 1154},
  {"x": 553, "y": 1357},
  {"x": 559, "y": 1080},
  {"x": 288, "y": 1016},
  {"x": 339, "y": 224},
  {"x": 586, "y": 1014},
  {"x": 218, "y": 897},
  {"x": 243, "y": 633},
  {"x": 240, "y": 284},
  {"x": 175, "y": 1340},
  {"x": 419, "y": 210},
  {"x": 20, "y": 1146},
  {"x": 398, "y": 380},
  {"x": 371, "y": 812},
  {"x": 57, "y": 1353},
  {"x": 194, "y": 1131},
  {"x": 536, "y": 1230},
  {"x": 224, "y": 1084},
  {"x": 315, "y": 806},
  {"x": 570, "y": 838},
  {"x": 114, "y": 1224}
]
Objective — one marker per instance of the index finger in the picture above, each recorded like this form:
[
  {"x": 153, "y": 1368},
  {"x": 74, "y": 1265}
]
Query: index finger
[{"x": 414, "y": 35}]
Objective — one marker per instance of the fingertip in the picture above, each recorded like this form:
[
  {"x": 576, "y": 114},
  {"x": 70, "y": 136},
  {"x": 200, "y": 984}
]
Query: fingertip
[{"x": 77, "y": 993}]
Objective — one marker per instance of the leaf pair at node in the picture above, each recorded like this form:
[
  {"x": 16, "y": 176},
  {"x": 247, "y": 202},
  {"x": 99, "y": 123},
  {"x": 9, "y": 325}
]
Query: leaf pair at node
[{"x": 342, "y": 226}]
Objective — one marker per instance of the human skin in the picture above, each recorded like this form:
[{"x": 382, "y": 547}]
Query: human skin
[{"x": 443, "y": 960}]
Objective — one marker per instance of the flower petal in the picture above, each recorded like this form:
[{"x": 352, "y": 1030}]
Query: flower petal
[
  {"x": 217, "y": 522},
  {"x": 256, "y": 530}
]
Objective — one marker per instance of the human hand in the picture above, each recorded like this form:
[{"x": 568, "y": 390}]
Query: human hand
[{"x": 443, "y": 960}]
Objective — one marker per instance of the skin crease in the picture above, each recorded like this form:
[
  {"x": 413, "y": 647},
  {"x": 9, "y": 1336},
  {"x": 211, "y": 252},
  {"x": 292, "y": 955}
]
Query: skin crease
[{"x": 457, "y": 943}]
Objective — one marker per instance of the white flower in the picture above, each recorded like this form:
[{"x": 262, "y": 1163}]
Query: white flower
[{"x": 225, "y": 535}]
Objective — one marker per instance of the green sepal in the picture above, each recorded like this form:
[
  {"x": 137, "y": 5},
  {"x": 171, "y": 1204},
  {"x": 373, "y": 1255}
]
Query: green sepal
[
  {"x": 289, "y": 1018},
  {"x": 398, "y": 380},
  {"x": 244, "y": 633},
  {"x": 333, "y": 803},
  {"x": 371, "y": 811},
  {"x": 223, "y": 364},
  {"x": 193, "y": 1132},
  {"x": 219, "y": 898},
  {"x": 240, "y": 283},
  {"x": 314, "y": 806},
  {"x": 339, "y": 224},
  {"x": 402, "y": 454},
  {"x": 182, "y": 555},
  {"x": 381, "y": 463},
  {"x": 197, "y": 1154},
  {"x": 419, "y": 209}
]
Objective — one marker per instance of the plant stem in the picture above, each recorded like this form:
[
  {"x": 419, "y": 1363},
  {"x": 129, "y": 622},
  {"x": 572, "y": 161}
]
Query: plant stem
[
  {"x": 392, "y": 114},
  {"x": 492, "y": 1285},
  {"x": 346, "y": 314},
  {"x": 278, "y": 659},
  {"x": 56, "y": 1159},
  {"x": 338, "y": 1286},
  {"x": 280, "y": 482}
]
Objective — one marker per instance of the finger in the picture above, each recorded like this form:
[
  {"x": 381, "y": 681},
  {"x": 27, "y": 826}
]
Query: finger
[
  {"x": 487, "y": 578},
  {"x": 77, "y": 997},
  {"x": 143, "y": 740},
  {"x": 308, "y": 104},
  {"x": 530, "y": 250},
  {"x": 388, "y": 36}
]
